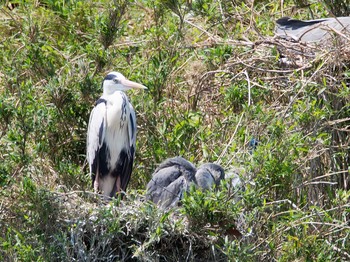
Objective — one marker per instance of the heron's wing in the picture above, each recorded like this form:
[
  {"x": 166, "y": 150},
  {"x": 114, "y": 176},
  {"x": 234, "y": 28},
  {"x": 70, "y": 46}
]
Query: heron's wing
[
  {"x": 168, "y": 184},
  {"x": 132, "y": 130},
  {"x": 173, "y": 193},
  {"x": 126, "y": 159},
  {"x": 294, "y": 24},
  {"x": 161, "y": 179},
  {"x": 95, "y": 135}
]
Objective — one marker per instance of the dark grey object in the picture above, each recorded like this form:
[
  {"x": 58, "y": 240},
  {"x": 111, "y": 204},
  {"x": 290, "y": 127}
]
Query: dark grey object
[
  {"x": 169, "y": 181},
  {"x": 209, "y": 175},
  {"x": 314, "y": 31},
  {"x": 175, "y": 175}
]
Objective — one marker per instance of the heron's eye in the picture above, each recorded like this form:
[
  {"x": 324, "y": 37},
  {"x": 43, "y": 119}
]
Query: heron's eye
[{"x": 116, "y": 80}]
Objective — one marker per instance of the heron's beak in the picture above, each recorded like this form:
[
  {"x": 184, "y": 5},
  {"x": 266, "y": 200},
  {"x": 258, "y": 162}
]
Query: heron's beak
[{"x": 131, "y": 84}]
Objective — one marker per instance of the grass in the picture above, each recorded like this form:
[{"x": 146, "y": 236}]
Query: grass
[{"x": 214, "y": 82}]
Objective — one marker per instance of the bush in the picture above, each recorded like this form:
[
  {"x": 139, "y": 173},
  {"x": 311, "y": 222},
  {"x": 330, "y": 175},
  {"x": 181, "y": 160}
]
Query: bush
[{"x": 215, "y": 82}]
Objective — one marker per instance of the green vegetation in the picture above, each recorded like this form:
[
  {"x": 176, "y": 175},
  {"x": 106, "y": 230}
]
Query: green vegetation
[{"x": 214, "y": 79}]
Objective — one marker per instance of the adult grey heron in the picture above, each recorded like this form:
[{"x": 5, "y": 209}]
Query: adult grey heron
[
  {"x": 312, "y": 31},
  {"x": 111, "y": 137},
  {"x": 173, "y": 178}
]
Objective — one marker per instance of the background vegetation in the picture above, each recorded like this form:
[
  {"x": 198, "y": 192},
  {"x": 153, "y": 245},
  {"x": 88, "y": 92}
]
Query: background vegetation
[{"x": 215, "y": 82}]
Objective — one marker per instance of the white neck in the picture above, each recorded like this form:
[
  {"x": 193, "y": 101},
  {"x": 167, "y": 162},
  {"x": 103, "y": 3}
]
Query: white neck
[{"x": 110, "y": 88}]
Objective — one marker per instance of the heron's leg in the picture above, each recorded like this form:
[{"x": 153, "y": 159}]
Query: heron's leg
[
  {"x": 96, "y": 183},
  {"x": 118, "y": 184},
  {"x": 116, "y": 187}
]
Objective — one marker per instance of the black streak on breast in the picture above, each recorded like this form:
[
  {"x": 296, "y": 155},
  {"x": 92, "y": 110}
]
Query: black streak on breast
[
  {"x": 133, "y": 128},
  {"x": 100, "y": 132},
  {"x": 119, "y": 167},
  {"x": 123, "y": 114},
  {"x": 104, "y": 159}
]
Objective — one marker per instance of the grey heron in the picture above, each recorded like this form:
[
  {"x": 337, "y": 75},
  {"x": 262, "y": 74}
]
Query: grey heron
[
  {"x": 312, "y": 31},
  {"x": 169, "y": 181},
  {"x": 111, "y": 137},
  {"x": 208, "y": 175},
  {"x": 174, "y": 176}
]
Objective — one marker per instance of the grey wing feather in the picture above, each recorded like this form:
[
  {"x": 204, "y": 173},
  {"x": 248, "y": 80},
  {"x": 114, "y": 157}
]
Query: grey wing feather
[
  {"x": 161, "y": 179},
  {"x": 173, "y": 193},
  {"x": 132, "y": 128},
  {"x": 128, "y": 160},
  {"x": 169, "y": 181},
  {"x": 95, "y": 135}
]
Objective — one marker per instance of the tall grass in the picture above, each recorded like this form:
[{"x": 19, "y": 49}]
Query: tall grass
[{"x": 215, "y": 82}]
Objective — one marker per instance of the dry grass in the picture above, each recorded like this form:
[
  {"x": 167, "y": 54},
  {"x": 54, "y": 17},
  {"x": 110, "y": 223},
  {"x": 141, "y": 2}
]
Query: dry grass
[{"x": 217, "y": 85}]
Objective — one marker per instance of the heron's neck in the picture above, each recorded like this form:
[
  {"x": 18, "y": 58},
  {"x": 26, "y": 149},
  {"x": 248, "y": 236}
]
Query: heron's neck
[{"x": 108, "y": 91}]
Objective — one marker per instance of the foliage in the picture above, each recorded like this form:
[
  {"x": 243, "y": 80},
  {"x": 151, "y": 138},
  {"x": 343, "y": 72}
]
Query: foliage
[
  {"x": 338, "y": 7},
  {"x": 214, "y": 82}
]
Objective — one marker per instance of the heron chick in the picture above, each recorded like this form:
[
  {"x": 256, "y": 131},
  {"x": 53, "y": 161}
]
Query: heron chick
[
  {"x": 169, "y": 181},
  {"x": 174, "y": 176}
]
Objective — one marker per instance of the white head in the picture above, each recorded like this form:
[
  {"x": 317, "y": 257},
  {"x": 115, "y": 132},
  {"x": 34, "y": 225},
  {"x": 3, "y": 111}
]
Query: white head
[{"x": 115, "y": 81}]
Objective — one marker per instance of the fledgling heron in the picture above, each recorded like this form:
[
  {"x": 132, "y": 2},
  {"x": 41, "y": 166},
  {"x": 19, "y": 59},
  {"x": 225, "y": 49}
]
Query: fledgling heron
[
  {"x": 169, "y": 181},
  {"x": 174, "y": 176},
  {"x": 111, "y": 137},
  {"x": 208, "y": 175}
]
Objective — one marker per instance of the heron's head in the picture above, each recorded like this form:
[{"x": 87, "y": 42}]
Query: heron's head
[
  {"x": 115, "y": 81},
  {"x": 215, "y": 170}
]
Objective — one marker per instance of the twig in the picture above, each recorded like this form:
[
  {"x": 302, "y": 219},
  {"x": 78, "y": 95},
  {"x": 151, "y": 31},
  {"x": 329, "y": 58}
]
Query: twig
[
  {"x": 342, "y": 226},
  {"x": 337, "y": 249},
  {"x": 249, "y": 93},
  {"x": 302, "y": 87},
  {"x": 337, "y": 121},
  {"x": 211, "y": 36},
  {"x": 189, "y": 252},
  {"x": 284, "y": 201},
  {"x": 320, "y": 182},
  {"x": 231, "y": 139}
]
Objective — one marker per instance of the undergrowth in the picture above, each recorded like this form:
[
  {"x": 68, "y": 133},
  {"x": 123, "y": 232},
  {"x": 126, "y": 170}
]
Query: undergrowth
[{"x": 214, "y": 83}]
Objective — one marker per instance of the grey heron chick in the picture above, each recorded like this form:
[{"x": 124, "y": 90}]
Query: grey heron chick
[
  {"x": 174, "y": 176},
  {"x": 169, "y": 181},
  {"x": 111, "y": 136},
  {"x": 208, "y": 175}
]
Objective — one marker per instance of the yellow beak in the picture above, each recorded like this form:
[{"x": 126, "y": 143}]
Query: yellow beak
[{"x": 132, "y": 84}]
